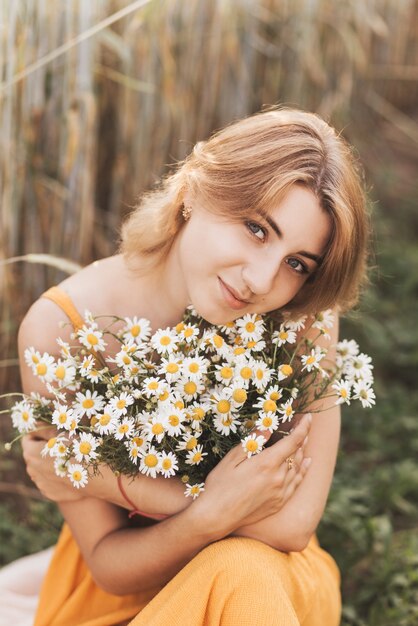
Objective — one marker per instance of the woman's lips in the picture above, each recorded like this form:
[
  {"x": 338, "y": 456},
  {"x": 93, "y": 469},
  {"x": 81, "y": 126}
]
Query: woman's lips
[{"x": 232, "y": 301}]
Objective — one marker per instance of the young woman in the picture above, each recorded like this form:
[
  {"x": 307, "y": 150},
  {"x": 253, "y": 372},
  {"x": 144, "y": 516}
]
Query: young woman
[{"x": 267, "y": 215}]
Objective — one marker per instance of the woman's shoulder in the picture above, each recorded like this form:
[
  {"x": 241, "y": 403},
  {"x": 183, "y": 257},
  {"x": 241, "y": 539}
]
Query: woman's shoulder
[{"x": 90, "y": 289}]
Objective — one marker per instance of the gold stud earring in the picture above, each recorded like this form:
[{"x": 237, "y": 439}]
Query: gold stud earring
[{"x": 186, "y": 212}]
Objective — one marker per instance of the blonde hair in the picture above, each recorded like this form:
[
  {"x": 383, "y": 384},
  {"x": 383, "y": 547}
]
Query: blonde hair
[{"x": 251, "y": 165}]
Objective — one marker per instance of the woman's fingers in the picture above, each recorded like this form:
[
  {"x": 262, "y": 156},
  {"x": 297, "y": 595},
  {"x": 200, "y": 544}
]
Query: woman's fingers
[{"x": 287, "y": 447}]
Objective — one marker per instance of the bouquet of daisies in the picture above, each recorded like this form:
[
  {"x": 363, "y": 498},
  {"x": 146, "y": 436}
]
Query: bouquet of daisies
[{"x": 174, "y": 402}]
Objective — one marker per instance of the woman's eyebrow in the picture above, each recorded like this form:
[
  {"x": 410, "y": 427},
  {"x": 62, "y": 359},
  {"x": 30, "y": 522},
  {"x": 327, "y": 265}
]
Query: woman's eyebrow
[{"x": 274, "y": 226}]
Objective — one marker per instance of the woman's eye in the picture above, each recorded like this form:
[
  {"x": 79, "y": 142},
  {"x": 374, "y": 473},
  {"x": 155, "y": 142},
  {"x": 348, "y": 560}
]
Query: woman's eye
[
  {"x": 297, "y": 265},
  {"x": 257, "y": 230}
]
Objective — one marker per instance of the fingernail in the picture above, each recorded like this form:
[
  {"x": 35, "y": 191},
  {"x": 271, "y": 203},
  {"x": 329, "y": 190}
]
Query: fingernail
[
  {"x": 305, "y": 441},
  {"x": 308, "y": 417},
  {"x": 306, "y": 462}
]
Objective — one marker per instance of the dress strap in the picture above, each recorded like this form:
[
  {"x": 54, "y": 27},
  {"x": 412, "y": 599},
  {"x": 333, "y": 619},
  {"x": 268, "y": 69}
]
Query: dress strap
[{"x": 63, "y": 300}]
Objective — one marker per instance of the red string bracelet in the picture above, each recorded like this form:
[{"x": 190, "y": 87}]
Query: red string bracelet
[{"x": 136, "y": 511}]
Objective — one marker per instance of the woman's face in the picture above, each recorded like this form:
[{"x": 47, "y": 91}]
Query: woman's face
[{"x": 257, "y": 265}]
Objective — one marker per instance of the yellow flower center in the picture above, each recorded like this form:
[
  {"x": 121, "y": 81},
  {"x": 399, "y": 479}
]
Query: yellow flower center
[
  {"x": 51, "y": 442},
  {"x": 62, "y": 418},
  {"x": 283, "y": 335},
  {"x": 223, "y": 406},
  {"x": 134, "y": 452},
  {"x": 218, "y": 341},
  {"x": 239, "y": 395},
  {"x": 188, "y": 332},
  {"x": 174, "y": 420},
  {"x": 246, "y": 372},
  {"x": 104, "y": 419},
  {"x": 286, "y": 370},
  {"x": 267, "y": 422},
  {"x": 85, "y": 447},
  {"x": 150, "y": 460},
  {"x": 77, "y": 476},
  {"x": 92, "y": 339},
  {"x": 289, "y": 411},
  {"x": 239, "y": 351},
  {"x": 165, "y": 340},
  {"x": 138, "y": 441},
  {"x": 25, "y": 416},
  {"x": 310, "y": 360},
  {"x": 41, "y": 369},
  {"x": 163, "y": 396},
  {"x": 251, "y": 445},
  {"x": 343, "y": 393},
  {"x": 227, "y": 372},
  {"x": 35, "y": 359},
  {"x": 121, "y": 404},
  {"x": 190, "y": 388},
  {"x": 269, "y": 406},
  {"x": 259, "y": 374},
  {"x": 157, "y": 429},
  {"x": 197, "y": 457},
  {"x": 87, "y": 403},
  {"x": 180, "y": 327},
  {"x": 251, "y": 344},
  {"x": 195, "y": 490},
  {"x": 227, "y": 421},
  {"x": 250, "y": 327},
  {"x": 60, "y": 372},
  {"x": 153, "y": 385},
  {"x": 172, "y": 368},
  {"x": 135, "y": 330},
  {"x": 198, "y": 413},
  {"x": 167, "y": 464},
  {"x": 123, "y": 428},
  {"x": 275, "y": 395},
  {"x": 194, "y": 368},
  {"x": 192, "y": 443},
  {"x": 179, "y": 404},
  {"x": 126, "y": 359}
]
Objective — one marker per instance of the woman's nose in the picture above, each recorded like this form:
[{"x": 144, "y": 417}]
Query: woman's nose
[{"x": 260, "y": 275}]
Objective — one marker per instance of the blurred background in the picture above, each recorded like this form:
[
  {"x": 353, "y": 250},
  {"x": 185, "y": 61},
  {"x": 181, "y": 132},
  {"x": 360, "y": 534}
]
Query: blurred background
[{"x": 99, "y": 98}]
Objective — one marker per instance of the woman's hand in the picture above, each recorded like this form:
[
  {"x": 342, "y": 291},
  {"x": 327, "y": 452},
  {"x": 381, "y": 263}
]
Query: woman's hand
[
  {"x": 42, "y": 472},
  {"x": 241, "y": 491}
]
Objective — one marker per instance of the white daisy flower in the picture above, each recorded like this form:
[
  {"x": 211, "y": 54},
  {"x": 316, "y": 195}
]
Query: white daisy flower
[
  {"x": 32, "y": 357},
  {"x": 243, "y": 372},
  {"x": 150, "y": 462},
  {"x": 195, "y": 456},
  {"x": 89, "y": 319},
  {"x": 267, "y": 421},
  {"x": 266, "y": 404},
  {"x": 189, "y": 441},
  {"x": 324, "y": 320},
  {"x": 60, "y": 467},
  {"x": 174, "y": 419},
  {"x": 94, "y": 376},
  {"x": 193, "y": 491},
  {"x": 77, "y": 474},
  {"x": 65, "y": 349},
  {"x": 343, "y": 389},
  {"x": 120, "y": 403},
  {"x": 23, "y": 417},
  {"x": 106, "y": 422},
  {"x": 255, "y": 346},
  {"x": 165, "y": 341},
  {"x": 157, "y": 428},
  {"x": 238, "y": 395},
  {"x": 196, "y": 413},
  {"x": 88, "y": 403},
  {"x": 286, "y": 410},
  {"x": 225, "y": 424},
  {"x": 363, "y": 392},
  {"x": 253, "y": 444},
  {"x": 189, "y": 389},
  {"x": 63, "y": 417},
  {"x": 153, "y": 387},
  {"x": 360, "y": 368},
  {"x": 250, "y": 327},
  {"x": 224, "y": 373},
  {"x": 170, "y": 368},
  {"x": 194, "y": 368},
  {"x": 136, "y": 329},
  {"x": 85, "y": 447},
  {"x": 228, "y": 328},
  {"x": 55, "y": 447},
  {"x": 87, "y": 364},
  {"x": 284, "y": 371},
  {"x": 168, "y": 464},
  {"x": 295, "y": 324},
  {"x": 347, "y": 348},
  {"x": 124, "y": 428},
  {"x": 44, "y": 369},
  {"x": 189, "y": 332},
  {"x": 64, "y": 372},
  {"x": 261, "y": 374},
  {"x": 311, "y": 361},
  {"x": 91, "y": 338},
  {"x": 283, "y": 335},
  {"x": 213, "y": 342}
]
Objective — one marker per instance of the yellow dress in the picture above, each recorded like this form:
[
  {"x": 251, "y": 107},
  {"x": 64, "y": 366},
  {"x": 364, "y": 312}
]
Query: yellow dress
[{"x": 235, "y": 581}]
